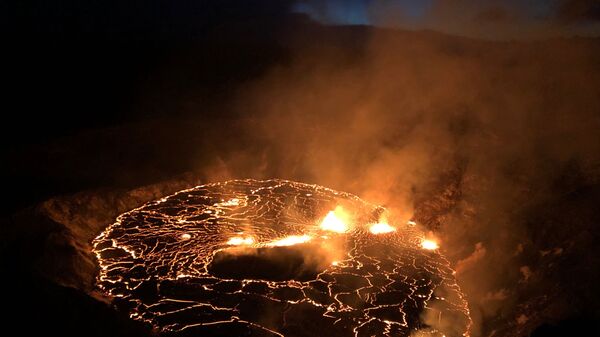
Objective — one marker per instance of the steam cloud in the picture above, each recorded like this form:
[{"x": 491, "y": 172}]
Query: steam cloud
[{"x": 489, "y": 129}]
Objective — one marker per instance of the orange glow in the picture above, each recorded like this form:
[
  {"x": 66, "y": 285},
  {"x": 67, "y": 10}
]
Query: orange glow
[
  {"x": 290, "y": 240},
  {"x": 238, "y": 241},
  {"x": 381, "y": 228},
  {"x": 333, "y": 223},
  {"x": 296, "y": 245},
  {"x": 429, "y": 244},
  {"x": 231, "y": 202},
  {"x": 411, "y": 223}
]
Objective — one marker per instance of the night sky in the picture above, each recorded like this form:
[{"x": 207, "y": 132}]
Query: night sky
[
  {"x": 512, "y": 19},
  {"x": 491, "y": 19}
]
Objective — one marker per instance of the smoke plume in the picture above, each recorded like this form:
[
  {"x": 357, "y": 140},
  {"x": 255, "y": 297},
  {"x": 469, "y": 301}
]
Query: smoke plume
[{"x": 465, "y": 135}]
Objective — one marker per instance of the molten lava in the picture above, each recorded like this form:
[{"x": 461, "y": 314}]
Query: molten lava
[
  {"x": 289, "y": 241},
  {"x": 248, "y": 257},
  {"x": 333, "y": 223},
  {"x": 239, "y": 241},
  {"x": 381, "y": 228},
  {"x": 429, "y": 244}
]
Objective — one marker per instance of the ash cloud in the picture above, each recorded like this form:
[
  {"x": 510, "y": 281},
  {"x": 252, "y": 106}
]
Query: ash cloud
[{"x": 468, "y": 136}]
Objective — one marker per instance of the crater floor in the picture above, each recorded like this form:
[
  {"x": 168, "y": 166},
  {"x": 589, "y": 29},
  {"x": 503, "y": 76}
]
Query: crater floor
[{"x": 209, "y": 261}]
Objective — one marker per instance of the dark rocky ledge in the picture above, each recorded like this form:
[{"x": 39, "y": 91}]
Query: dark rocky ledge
[{"x": 49, "y": 270}]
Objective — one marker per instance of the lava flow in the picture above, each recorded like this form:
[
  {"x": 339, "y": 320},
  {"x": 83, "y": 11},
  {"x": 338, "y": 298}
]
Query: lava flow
[{"x": 276, "y": 258}]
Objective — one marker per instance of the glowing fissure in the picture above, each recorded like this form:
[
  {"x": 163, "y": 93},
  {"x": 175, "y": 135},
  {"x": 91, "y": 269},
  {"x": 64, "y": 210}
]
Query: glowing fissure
[
  {"x": 290, "y": 240},
  {"x": 155, "y": 260},
  {"x": 333, "y": 223}
]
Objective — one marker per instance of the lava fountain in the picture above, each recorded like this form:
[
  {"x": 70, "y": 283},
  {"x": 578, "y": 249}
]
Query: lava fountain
[{"x": 276, "y": 258}]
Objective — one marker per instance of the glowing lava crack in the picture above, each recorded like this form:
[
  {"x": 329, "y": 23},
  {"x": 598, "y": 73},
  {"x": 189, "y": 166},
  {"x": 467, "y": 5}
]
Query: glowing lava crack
[{"x": 276, "y": 258}]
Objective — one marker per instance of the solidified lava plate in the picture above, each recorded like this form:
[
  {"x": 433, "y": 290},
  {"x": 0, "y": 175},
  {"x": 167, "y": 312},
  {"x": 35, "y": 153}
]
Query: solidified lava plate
[{"x": 276, "y": 258}]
